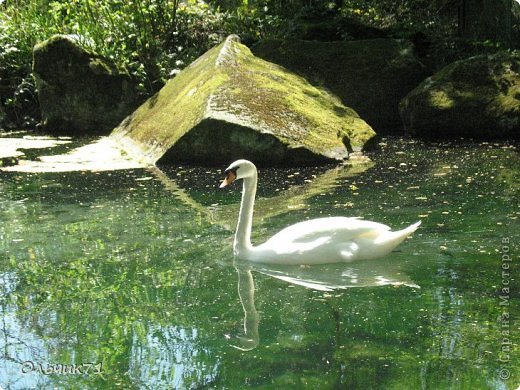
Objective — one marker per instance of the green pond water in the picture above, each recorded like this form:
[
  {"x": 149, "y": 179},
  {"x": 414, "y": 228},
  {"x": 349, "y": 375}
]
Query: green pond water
[{"x": 126, "y": 279}]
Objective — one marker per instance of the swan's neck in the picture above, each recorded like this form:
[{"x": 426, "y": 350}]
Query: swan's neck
[{"x": 245, "y": 217}]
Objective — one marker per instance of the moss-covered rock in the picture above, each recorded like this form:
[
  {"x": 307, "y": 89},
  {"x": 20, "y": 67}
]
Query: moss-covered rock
[
  {"x": 230, "y": 104},
  {"x": 79, "y": 91},
  {"x": 478, "y": 98},
  {"x": 371, "y": 76}
]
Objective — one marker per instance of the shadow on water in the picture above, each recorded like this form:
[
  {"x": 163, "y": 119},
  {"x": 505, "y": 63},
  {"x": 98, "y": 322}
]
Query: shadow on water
[{"x": 293, "y": 198}]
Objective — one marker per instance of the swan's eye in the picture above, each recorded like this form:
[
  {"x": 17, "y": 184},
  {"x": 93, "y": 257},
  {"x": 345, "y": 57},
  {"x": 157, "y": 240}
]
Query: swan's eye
[
  {"x": 234, "y": 170},
  {"x": 231, "y": 175}
]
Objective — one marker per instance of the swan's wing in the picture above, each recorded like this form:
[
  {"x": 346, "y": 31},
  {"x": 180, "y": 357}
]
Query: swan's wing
[{"x": 321, "y": 230}]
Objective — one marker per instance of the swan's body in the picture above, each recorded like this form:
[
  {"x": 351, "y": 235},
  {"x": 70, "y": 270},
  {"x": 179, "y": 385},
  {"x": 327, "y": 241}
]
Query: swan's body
[{"x": 317, "y": 241}]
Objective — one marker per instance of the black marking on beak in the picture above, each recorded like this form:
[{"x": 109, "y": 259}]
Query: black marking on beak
[{"x": 231, "y": 175}]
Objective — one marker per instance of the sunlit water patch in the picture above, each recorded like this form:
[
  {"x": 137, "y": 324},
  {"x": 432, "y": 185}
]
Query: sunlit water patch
[
  {"x": 32, "y": 154},
  {"x": 132, "y": 271}
]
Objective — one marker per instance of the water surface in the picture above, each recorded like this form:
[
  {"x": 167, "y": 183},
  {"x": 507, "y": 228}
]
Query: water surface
[{"x": 129, "y": 275}]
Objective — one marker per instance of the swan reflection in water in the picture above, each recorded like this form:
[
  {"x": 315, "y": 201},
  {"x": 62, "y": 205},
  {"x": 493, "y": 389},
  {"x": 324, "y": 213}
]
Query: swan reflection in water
[{"x": 328, "y": 277}]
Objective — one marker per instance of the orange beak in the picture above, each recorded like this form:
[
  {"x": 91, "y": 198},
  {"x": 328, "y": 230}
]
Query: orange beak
[{"x": 230, "y": 178}]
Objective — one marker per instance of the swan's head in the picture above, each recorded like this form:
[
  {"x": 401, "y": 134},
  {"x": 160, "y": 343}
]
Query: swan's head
[{"x": 240, "y": 169}]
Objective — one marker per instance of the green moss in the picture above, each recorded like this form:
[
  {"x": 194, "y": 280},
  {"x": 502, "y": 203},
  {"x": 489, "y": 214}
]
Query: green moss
[
  {"x": 316, "y": 119},
  {"x": 441, "y": 100},
  {"x": 477, "y": 97},
  {"x": 99, "y": 66},
  {"x": 178, "y": 106},
  {"x": 371, "y": 76}
]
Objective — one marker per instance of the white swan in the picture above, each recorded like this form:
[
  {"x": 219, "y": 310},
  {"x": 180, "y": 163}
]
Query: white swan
[{"x": 317, "y": 241}]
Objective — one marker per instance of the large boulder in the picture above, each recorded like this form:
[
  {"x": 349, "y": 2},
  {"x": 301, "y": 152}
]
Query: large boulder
[
  {"x": 478, "y": 98},
  {"x": 79, "y": 91},
  {"x": 230, "y": 104},
  {"x": 371, "y": 76}
]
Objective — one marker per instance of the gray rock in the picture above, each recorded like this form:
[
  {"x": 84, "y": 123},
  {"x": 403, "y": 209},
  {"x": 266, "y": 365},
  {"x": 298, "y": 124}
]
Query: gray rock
[
  {"x": 477, "y": 98},
  {"x": 371, "y": 75},
  {"x": 229, "y": 104},
  {"x": 80, "y": 92}
]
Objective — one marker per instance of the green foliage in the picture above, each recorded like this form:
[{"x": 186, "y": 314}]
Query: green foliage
[
  {"x": 424, "y": 14},
  {"x": 254, "y": 23},
  {"x": 154, "y": 39},
  {"x": 16, "y": 85}
]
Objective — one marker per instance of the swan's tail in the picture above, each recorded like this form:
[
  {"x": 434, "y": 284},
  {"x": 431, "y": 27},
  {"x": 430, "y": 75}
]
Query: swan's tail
[
  {"x": 410, "y": 229},
  {"x": 399, "y": 236},
  {"x": 391, "y": 239}
]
